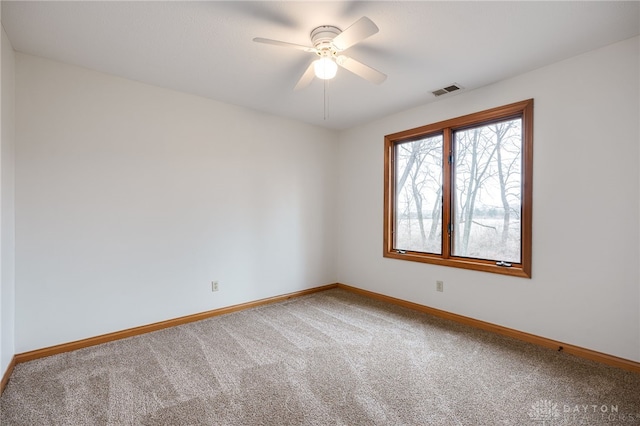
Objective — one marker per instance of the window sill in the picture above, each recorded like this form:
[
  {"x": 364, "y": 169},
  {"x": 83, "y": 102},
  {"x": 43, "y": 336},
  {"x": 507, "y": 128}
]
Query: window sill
[{"x": 516, "y": 270}]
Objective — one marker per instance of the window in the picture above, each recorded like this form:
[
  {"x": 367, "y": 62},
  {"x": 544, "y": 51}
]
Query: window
[{"x": 459, "y": 192}]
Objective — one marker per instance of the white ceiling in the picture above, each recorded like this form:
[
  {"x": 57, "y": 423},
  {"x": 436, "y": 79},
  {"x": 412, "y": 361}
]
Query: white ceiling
[{"x": 206, "y": 48}]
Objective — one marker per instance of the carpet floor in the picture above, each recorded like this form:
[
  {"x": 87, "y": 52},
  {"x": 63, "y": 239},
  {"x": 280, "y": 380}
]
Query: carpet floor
[{"x": 330, "y": 358}]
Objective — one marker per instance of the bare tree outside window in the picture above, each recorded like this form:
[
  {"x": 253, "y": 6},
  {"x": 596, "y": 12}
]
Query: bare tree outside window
[
  {"x": 419, "y": 188},
  {"x": 487, "y": 185}
]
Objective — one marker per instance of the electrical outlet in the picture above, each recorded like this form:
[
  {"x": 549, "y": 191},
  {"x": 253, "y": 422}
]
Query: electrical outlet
[
  {"x": 439, "y": 286},
  {"x": 214, "y": 285}
]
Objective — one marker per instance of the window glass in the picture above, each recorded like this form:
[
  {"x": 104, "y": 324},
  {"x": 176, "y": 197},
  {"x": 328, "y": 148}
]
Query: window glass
[
  {"x": 418, "y": 212},
  {"x": 487, "y": 170}
]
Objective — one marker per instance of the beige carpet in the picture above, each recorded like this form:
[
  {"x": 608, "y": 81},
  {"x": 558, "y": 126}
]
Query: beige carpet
[{"x": 331, "y": 358}]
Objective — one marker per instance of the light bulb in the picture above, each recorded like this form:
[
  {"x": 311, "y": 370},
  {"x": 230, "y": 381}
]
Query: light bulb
[{"x": 325, "y": 68}]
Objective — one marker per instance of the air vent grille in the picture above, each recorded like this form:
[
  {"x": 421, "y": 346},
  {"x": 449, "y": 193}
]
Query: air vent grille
[{"x": 445, "y": 90}]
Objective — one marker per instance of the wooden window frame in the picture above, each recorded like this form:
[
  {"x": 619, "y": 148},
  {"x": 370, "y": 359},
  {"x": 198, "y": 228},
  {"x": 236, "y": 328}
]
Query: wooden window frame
[{"x": 523, "y": 110}]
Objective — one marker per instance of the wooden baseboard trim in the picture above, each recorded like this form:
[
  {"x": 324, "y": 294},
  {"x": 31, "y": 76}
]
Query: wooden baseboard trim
[
  {"x": 7, "y": 374},
  {"x": 520, "y": 335},
  {"x": 526, "y": 337},
  {"x": 97, "y": 340}
]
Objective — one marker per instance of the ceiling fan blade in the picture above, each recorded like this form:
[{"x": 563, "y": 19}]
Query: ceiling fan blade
[
  {"x": 306, "y": 78},
  {"x": 361, "y": 29},
  {"x": 360, "y": 69},
  {"x": 285, "y": 44}
]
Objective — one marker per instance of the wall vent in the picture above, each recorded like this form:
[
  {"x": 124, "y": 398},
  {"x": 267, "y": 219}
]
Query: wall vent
[{"x": 445, "y": 90}]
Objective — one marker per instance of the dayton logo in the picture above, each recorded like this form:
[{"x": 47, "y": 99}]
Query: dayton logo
[{"x": 544, "y": 412}]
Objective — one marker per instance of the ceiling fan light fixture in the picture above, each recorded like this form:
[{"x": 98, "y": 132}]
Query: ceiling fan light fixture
[{"x": 325, "y": 68}]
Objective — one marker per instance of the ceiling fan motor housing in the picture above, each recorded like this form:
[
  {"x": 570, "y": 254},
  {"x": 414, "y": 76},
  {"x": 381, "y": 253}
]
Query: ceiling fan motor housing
[{"x": 321, "y": 38}]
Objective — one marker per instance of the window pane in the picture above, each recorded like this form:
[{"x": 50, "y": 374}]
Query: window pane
[
  {"x": 487, "y": 204},
  {"x": 418, "y": 195}
]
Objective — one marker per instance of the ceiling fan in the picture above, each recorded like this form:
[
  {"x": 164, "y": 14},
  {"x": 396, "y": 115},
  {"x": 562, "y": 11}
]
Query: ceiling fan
[{"x": 328, "y": 43}]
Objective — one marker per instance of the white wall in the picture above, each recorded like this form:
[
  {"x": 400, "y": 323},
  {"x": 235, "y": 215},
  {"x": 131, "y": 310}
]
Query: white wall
[
  {"x": 130, "y": 199},
  {"x": 585, "y": 288},
  {"x": 7, "y": 209}
]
